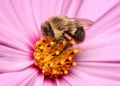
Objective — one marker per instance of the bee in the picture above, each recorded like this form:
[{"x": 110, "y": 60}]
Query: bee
[{"x": 58, "y": 26}]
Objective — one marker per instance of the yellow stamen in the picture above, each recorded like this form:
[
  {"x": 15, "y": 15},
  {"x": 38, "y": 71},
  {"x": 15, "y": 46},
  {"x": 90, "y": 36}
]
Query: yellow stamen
[
  {"x": 74, "y": 63},
  {"x": 57, "y": 52},
  {"x": 69, "y": 38},
  {"x": 54, "y": 71},
  {"x": 76, "y": 51},
  {"x": 73, "y": 42},
  {"x": 50, "y": 61},
  {"x": 41, "y": 47},
  {"x": 64, "y": 42},
  {"x": 70, "y": 58},
  {"x": 38, "y": 43},
  {"x": 52, "y": 43},
  {"x": 61, "y": 62},
  {"x": 65, "y": 72}
]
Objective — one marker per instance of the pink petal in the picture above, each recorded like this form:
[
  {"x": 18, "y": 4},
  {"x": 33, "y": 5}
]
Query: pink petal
[
  {"x": 16, "y": 45},
  {"x": 13, "y": 38},
  {"x": 12, "y": 59},
  {"x": 62, "y": 7},
  {"x": 18, "y": 78},
  {"x": 9, "y": 66},
  {"x": 36, "y": 7},
  {"x": 100, "y": 69},
  {"x": 35, "y": 79},
  {"x": 63, "y": 82},
  {"x": 101, "y": 54},
  {"x": 49, "y": 82},
  {"x": 98, "y": 63},
  {"x": 20, "y": 17},
  {"x": 108, "y": 20},
  {"x": 43, "y": 9},
  {"x": 74, "y": 7},
  {"x": 102, "y": 39},
  {"x": 39, "y": 80},
  {"x": 11, "y": 54},
  {"x": 94, "y": 9},
  {"x": 85, "y": 78},
  {"x": 91, "y": 73}
]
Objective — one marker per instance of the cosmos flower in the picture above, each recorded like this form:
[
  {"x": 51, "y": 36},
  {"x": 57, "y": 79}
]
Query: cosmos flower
[{"x": 97, "y": 64}]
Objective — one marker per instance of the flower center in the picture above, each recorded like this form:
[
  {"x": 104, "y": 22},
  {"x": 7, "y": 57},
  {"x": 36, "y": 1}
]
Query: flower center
[{"x": 50, "y": 61}]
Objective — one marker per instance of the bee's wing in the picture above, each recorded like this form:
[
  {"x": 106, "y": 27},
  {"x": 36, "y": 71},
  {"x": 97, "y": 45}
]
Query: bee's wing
[{"x": 85, "y": 22}]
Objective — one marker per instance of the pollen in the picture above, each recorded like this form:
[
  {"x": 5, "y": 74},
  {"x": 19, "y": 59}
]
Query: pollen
[
  {"x": 57, "y": 52},
  {"x": 49, "y": 59},
  {"x": 51, "y": 43}
]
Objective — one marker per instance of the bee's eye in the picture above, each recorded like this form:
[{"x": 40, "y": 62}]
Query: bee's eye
[
  {"x": 47, "y": 30},
  {"x": 46, "y": 27}
]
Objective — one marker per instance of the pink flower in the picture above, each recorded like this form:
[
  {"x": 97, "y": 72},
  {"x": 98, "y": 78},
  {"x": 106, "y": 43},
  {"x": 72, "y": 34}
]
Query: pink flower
[{"x": 97, "y": 65}]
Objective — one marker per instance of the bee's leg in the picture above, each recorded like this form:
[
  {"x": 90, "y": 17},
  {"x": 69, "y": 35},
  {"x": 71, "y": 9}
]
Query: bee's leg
[
  {"x": 67, "y": 45},
  {"x": 57, "y": 41}
]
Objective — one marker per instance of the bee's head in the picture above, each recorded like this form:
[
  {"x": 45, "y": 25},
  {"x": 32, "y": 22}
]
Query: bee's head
[{"x": 47, "y": 30}]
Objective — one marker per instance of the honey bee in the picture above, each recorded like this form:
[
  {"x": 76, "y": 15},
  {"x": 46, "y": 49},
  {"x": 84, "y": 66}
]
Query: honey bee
[{"x": 58, "y": 26}]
